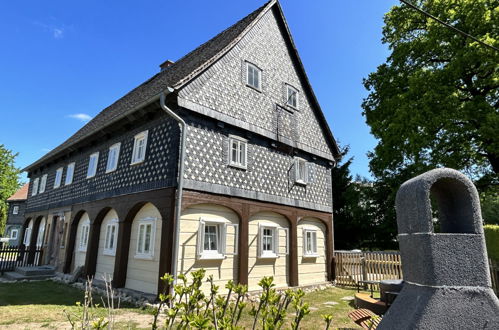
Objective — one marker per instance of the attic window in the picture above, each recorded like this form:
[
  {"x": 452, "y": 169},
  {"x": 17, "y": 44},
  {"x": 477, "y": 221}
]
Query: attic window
[
  {"x": 253, "y": 76},
  {"x": 291, "y": 96}
]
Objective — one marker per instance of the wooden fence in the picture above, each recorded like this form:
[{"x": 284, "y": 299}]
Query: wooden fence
[
  {"x": 350, "y": 268},
  {"x": 17, "y": 256}
]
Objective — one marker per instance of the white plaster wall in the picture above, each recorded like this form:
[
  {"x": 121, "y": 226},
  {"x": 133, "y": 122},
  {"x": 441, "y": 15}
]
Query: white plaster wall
[
  {"x": 143, "y": 274},
  {"x": 105, "y": 262},
  {"x": 79, "y": 256},
  {"x": 312, "y": 270}
]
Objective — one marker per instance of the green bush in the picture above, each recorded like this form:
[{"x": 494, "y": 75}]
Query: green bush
[{"x": 492, "y": 240}]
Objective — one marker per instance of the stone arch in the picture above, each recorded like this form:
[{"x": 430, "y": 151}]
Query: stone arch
[
  {"x": 312, "y": 250},
  {"x": 265, "y": 263},
  {"x": 221, "y": 260}
]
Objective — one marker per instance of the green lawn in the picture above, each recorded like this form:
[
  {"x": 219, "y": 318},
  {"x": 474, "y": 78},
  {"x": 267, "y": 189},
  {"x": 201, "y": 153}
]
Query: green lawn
[{"x": 31, "y": 305}]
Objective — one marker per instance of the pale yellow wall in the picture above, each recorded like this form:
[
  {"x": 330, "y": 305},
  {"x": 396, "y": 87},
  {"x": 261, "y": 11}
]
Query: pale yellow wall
[
  {"x": 312, "y": 270},
  {"x": 142, "y": 274},
  {"x": 79, "y": 256},
  {"x": 258, "y": 268},
  {"x": 105, "y": 262},
  {"x": 222, "y": 270}
]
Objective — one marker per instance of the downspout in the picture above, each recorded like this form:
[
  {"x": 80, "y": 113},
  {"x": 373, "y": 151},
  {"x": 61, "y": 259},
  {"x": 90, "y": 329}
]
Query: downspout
[{"x": 180, "y": 186}]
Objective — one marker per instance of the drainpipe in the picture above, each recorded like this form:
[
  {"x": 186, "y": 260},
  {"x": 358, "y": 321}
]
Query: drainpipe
[{"x": 180, "y": 186}]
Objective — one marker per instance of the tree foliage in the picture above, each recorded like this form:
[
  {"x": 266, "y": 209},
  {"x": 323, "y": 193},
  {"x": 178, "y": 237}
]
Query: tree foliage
[
  {"x": 435, "y": 101},
  {"x": 9, "y": 181}
]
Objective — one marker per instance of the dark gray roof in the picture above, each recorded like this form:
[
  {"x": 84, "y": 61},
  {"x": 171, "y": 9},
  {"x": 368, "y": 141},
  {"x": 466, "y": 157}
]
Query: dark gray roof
[{"x": 180, "y": 73}]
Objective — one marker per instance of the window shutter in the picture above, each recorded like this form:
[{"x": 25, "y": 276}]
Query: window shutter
[
  {"x": 280, "y": 233},
  {"x": 260, "y": 240},
  {"x": 292, "y": 172},
  {"x": 304, "y": 231},
  {"x": 306, "y": 169},
  {"x": 230, "y": 234},
  {"x": 201, "y": 236}
]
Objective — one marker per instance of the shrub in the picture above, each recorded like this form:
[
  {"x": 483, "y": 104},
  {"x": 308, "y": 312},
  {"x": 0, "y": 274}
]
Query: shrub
[{"x": 492, "y": 241}]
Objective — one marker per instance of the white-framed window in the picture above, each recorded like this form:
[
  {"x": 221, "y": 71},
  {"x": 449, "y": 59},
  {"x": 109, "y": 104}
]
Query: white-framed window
[
  {"x": 238, "y": 152},
  {"x": 110, "y": 238},
  {"x": 69, "y": 174},
  {"x": 14, "y": 233},
  {"x": 253, "y": 76},
  {"x": 217, "y": 239},
  {"x": 139, "y": 147},
  {"x": 27, "y": 236},
  {"x": 35, "y": 186},
  {"x": 15, "y": 209},
  {"x": 64, "y": 232},
  {"x": 85, "y": 230},
  {"x": 41, "y": 233},
  {"x": 301, "y": 171},
  {"x": 273, "y": 241},
  {"x": 112, "y": 157},
  {"x": 58, "y": 177},
  {"x": 43, "y": 184},
  {"x": 291, "y": 96},
  {"x": 145, "y": 238},
  {"x": 310, "y": 242},
  {"x": 92, "y": 165}
]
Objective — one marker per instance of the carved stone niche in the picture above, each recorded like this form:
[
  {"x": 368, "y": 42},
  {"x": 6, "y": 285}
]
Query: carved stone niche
[{"x": 446, "y": 274}]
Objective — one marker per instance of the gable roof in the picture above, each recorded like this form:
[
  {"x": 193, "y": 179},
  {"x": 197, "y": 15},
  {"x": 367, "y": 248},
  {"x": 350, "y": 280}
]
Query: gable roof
[
  {"x": 177, "y": 75},
  {"x": 20, "y": 195}
]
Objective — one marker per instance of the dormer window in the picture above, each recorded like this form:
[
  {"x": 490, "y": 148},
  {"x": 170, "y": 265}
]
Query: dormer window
[
  {"x": 139, "y": 148},
  {"x": 92, "y": 165},
  {"x": 291, "y": 96},
  {"x": 112, "y": 157},
  {"x": 43, "y": 183},
  {"x": 253, "y": 76},
  {"x": 35, "y": 186},
  {"x": 58, "y": 177},
  {"x": 301, "y": 171}
]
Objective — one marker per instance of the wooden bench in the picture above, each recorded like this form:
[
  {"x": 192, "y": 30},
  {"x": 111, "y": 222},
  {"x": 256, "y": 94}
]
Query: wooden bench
[{"x": 365, "y": 318}]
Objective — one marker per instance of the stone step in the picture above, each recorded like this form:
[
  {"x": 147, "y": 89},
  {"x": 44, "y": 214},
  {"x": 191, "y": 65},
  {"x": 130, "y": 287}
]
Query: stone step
[
  {"x": 14, "y": 276},
  {"x": 33, "y": 271}
]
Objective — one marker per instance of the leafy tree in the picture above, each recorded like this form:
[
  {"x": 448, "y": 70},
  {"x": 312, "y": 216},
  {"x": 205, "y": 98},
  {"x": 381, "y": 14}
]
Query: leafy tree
[
  {"x": 9, "y": 181},
  {"x": 435, "y": 102}
]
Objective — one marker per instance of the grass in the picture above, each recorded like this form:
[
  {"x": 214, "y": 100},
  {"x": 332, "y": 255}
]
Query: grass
[{"x": 41, "y": 304}]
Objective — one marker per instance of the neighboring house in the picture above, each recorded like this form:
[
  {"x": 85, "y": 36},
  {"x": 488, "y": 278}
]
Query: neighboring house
[
  {"x": 257, "y": 195},
  {"x": 15, "y": 215}
]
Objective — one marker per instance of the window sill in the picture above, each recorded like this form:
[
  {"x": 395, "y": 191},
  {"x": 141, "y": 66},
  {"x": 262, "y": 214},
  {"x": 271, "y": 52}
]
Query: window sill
[
  {"x": 137, "y": 162},
  {"x": 110, "y": 170},
  {"x": 301, "y": 182},
  {"x": 259, "y": 90},
  {"x": 144, "y": 256},
  {"x": 311, "y": 256},
  {"x": 241, "y": 167},
  {"x": 92, "y": 176},
  {"x": 81, "y": 250},
  {"x": 211, "y": 256},
  {"x": 268, "y": 256},
  {"x": 109, "y": 253}
]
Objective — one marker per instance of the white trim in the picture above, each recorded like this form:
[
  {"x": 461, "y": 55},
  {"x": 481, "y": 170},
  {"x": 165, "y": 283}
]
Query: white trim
[
  {"x": 259, "y": 76},
  {"x": 298, "y": 179},
  {"x": 288, "y": 88},
  {"x": 36, "y": 182},
  {"x": 221, "y": 239},
  {"x": 146, "y": 255},
  {"x": 84, "y": 235},
  {"x": 113, "y": 236},
  {"x": 267, "y": 254},
  {"x": 43, "y": 184},
  {"x": 15, "y": 209},
  {"x": 139, "y": 158},
  {"x": 114, "y": 151},
  {"x": 69, "y": 178},
  {"x": 306, "y": 253},
  {"x": 92, "y": 165},
  {"x": 241, "y": 143},
  {"x": 12, "y": 231},
  {"x": 58, "y": 177}
]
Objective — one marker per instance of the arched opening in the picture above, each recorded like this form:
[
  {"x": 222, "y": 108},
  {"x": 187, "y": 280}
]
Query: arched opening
[
  {"x": 142, "y": 272},
  {"x": 268, "y": 249},
  {"x": 312, "y": 251},
  {"x": 209, "y": 239},
  {"x": 40, "y": 239},
  {"x": 27, "y": 232},
  {"x": 106, "y": 252}
]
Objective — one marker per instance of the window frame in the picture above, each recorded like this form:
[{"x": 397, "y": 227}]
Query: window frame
[
  {"x": 292, "y": 88},
  {"x": 95, "y": 156},
  {"x": 84, "y": 235},
  {"x": 72, "y": 166},
  {"x": 314, "y": 252},
  {"x": 146, "y": 255},
  {"x": 15, "y": 230},
  {"x": 247, "y": 76},
  {"x": 141, "y": 136},
  {"x": 58, "y": 177},
  {"x": 15, "y": 209},
  {"x": 115, "y": 148},
  {"x": 275, "y": 252},
  {"x": 240, "y": 142},
  {"x": 298, "y": 179},
  {"x": 221, "y": 236},
  {"x": 43, "y": 184},
  {"x": 36, "y": 184},
  {"x": 110, "y": 251}
]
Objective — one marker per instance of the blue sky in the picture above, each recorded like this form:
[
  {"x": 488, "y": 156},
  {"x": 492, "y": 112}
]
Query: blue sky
[{"x": 61, "y": 62}]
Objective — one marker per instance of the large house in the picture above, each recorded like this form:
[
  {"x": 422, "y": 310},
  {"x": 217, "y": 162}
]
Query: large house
[
  {"x": 220, "y": 161},
  {"x": 15, "y": 215}
]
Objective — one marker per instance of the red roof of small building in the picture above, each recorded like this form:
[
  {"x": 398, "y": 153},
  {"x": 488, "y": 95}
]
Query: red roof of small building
[{"x": 21, "y": 194}]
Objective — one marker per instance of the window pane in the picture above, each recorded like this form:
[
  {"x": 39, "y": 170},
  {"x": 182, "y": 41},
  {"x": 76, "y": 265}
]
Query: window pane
[
  {"x": 141, "y": 239},
  {"x": 147, "y": 241},
  {"x": 234, "y": 151},
  {"x": 210, "y": 238},
  {"x": 268, "y": 239},
  {"x": 111, "y": 242},
  {"x": 108, "y": 233}
]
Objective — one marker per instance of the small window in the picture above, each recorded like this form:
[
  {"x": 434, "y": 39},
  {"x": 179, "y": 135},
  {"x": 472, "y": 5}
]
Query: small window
[
  {"x": 85, "y": 229},
  {"x": 43, "y": 183},
  {"x": 64, "y": 230},
  {"x": 253, "y": 76},
  {"x": 291, "y": 96},
  {"x": 58, "y": 177},
  {"x": 112, "y": 157},
  {"x": 92, "y": 165},
  {"x": 273, "y": 241},
  {"x": 139, "y": 148},
  {"x": 14, "y": 233},
  {"x": 301, "y": 171},
  {"x": 70, "y": 173},
  {"x": 216, "y": 239},
  {"x": 35, "y": 186},
  {"x": 145, "y": 238},
  {"x": 238, "y": 152},
  {"x": 309, "y": 242},
  {"x": 110, "y": 238},
  {"x": 15, "y": 209}
]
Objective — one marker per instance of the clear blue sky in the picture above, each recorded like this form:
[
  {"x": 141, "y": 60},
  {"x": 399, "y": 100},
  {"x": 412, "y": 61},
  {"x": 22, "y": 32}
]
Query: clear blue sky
[{"x": 62, "y": 62}]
